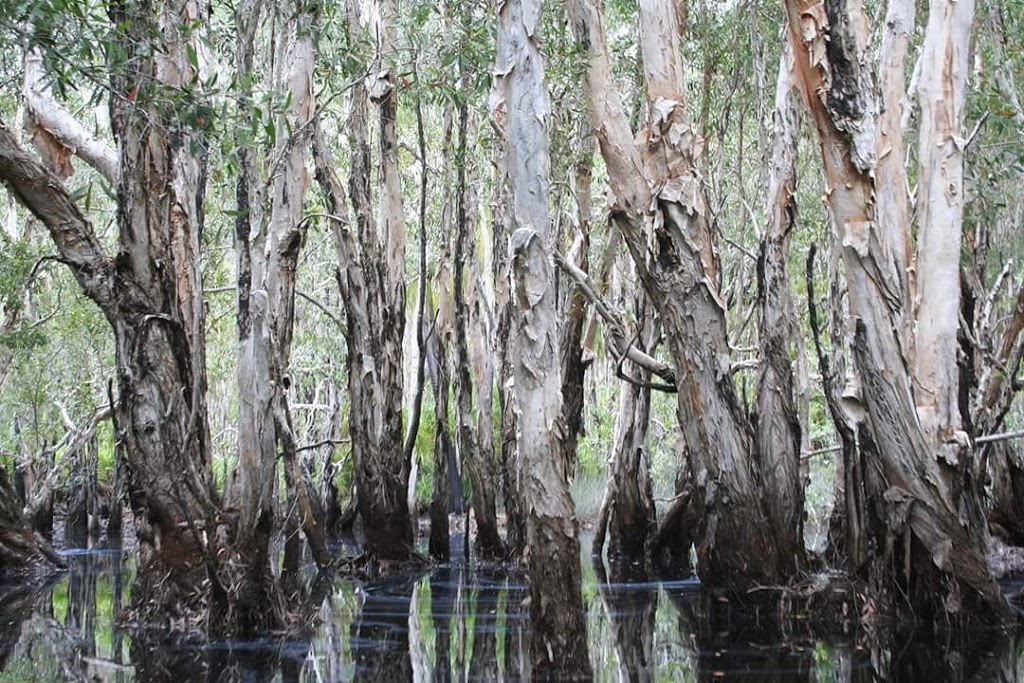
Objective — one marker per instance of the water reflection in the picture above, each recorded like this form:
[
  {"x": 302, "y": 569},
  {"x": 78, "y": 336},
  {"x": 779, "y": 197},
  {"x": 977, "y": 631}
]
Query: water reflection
[{"x": 462, "y": 623}]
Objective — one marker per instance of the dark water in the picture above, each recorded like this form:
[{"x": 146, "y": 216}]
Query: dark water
[{"x": 464, "y": 624}]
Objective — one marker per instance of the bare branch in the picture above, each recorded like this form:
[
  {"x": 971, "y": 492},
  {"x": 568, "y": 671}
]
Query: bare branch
[
  {"x": 615, "y": 325},
  {"x": 56, "y": 121},
  {"x": 43, "y": 193}
]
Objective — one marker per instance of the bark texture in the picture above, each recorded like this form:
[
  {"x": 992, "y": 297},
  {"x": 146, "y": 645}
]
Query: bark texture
[
  {"x": 269, "y": 236},
  {"x": 661, "y": 211},
  {"x": 558, "y": 641},
  {"x": 474, "y": 445},
  {"x": 151, "y": 296},
  {"x": 925, "y": 521},
  {"x": 374, "y": 338},
  {"x": 777, "y": 428}
]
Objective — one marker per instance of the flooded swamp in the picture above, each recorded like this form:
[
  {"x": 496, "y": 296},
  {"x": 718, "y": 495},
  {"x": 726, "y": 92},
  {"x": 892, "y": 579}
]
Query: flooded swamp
[{"x": 462, "y": 622}]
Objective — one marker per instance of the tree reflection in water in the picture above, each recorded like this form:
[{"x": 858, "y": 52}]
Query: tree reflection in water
[{"x": 462, "y": 622}]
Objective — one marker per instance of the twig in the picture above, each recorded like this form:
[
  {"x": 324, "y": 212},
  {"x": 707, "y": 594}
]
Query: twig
[
  {"x": 323, "y": 309},
  {"x": 1004, "y": 436},
  {"x": 319, "y": 444}
]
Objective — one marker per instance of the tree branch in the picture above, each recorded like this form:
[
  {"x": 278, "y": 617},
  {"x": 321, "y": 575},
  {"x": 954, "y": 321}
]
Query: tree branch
[
  {"x": 42, "y": 192},
  {"x": 615, "y": 325},
  {"x": 50, "y": 116}
]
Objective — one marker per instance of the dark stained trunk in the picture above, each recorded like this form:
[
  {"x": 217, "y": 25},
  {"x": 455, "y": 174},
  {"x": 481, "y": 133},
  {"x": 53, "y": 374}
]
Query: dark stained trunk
[
  {"x": 628, "y": 506},
  {"x": 444, "y": 457},
  {"x": 488, "y": 541},
  {"x": 373, "y": 332},
  {"x": 1007, "y": 472},
  {"x": 501, "y": 209},
  {"x": 670, "y": 547},
  {"x": 82, "y": 516},
  {"x": 22, "y": 550},
  {"x": 846, "y": 544},
  {"x": 571, "y": 351}
]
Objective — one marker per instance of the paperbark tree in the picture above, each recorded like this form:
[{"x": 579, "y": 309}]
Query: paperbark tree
[
  {"x": 927, "y": 523},
  {"x": 501, "y": 210},
  {"x": 474, "y": 444},
  {"x": 372, "y": 283},
  {"x": 558, "y": 640},
  {"x": 777, "y": 427},
  {"x": 269, "y": 234},
  {"x": 151, "y": 296},
  {"x": 660, "y": 209}
]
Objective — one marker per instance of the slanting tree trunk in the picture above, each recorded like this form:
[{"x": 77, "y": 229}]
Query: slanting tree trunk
[
  {"x": 558, "y": 641},
  {"x": 922, "y": 489},
  {"x": 488, "y": 541},
  {"x": 660, "y": 209},
  {"x": 574, "y": 365}
]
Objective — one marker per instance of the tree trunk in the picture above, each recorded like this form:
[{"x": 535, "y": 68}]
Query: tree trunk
[
  {"x": 921, "y": 487},
  {"x": 571, "y": 351},
  {"x": 736, "y": 543},
  {"x": 627, "y": 511},
  {"x": 269, "y": 236},
  {"x": 22, "y": 550},
  {"x": 501, "y": 210},
  {"x": 558, "y": 642},
  {"x": 151, "y": 296},
  {"x": 441, "y": 497},
  {"x": 488, "y": 541},
  {"x": 373, "y": 332},
  {"x": 777, "y": 428}
]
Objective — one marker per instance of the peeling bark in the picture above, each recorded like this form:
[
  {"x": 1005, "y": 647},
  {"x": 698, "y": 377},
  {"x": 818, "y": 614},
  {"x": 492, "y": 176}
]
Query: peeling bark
[
  {"x": 921, "y": 497},
  {"x": 374, "y": 340},
  {"x": 558, "y": 640},
  {"x": 151, "y": 296},
  {"x": 777, "y": 428},
  {"x": 472, "y": 444},
  {"x": 660, "y": 210},
  {"x": 270, "y": 233},
  {"x": 56, "y": 134}
]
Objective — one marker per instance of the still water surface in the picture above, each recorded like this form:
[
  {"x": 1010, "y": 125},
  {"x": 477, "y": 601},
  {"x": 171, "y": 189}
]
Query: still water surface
[{"x": 458, "y": 623}]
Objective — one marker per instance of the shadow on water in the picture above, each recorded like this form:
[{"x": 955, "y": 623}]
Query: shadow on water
[{"x": 464, "y": 623}]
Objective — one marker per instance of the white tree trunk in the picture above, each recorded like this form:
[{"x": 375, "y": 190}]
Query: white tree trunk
[
  {"x": 942, "y": 92},
  {"x": 558, "y": 641}
]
